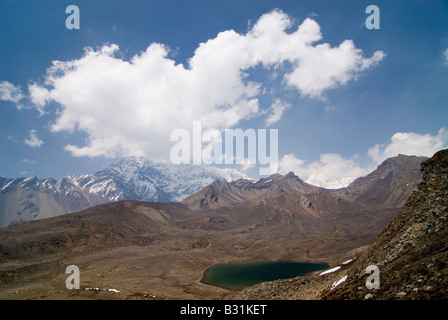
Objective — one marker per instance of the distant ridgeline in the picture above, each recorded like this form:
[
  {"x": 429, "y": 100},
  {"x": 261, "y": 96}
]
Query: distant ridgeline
[{"x": 26, "y": 199}]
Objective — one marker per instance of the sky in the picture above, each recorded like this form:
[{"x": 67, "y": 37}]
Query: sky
[{"x": 343, "y": 97}]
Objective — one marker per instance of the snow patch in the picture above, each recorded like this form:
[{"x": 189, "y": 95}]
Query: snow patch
[
  {"x": 336, "y": 283},
  {"x": 330, "y": 270},
  {"x": 7, "y": 185},
  {"x": 28, "y": 179},
  {"x": 101, "y": 289}
]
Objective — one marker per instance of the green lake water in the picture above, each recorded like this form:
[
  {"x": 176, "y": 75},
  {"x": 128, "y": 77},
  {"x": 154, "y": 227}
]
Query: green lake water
[{"x": 241, "y": 275}]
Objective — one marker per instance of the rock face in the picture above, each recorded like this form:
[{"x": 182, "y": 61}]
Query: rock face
[
  {"x": 411, "y": 254},
  {"x": 390, "y": 184}
]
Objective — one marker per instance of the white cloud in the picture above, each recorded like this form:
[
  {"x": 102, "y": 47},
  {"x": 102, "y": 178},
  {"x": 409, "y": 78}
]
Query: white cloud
[
  {"x": 39, "y": 97},
  {"x": 289, "y": 162},
  {"x": 332, "y": 171},
  {"x": 33, "y": 140},
  {"x": 131, "y": 107},
  {"x": 445, "y": 53},
  {"x": 9, "y": 92},
  {"x": 322, "y": 67},
  {"x": 277, "y": 110},
  {"x": 410, "y": 143}
]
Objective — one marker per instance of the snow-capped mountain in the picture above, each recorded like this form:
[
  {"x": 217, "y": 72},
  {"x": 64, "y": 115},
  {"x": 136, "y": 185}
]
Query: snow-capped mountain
[
  {"x": 146, "y": 180},
  {"x": 132, "y": 178}
]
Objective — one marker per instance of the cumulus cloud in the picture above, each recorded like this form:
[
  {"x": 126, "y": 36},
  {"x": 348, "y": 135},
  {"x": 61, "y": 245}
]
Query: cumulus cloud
[
  {"x": 131, "y": 107},
  {"x": 33, "y": 141},
  {"x": 333, "y": 171},
  {"x": 322, "y": 67},
  {"x": 9, "y": 92},
  {"x": 39, "y": 96},
  {"x": 410, "y": 143}
]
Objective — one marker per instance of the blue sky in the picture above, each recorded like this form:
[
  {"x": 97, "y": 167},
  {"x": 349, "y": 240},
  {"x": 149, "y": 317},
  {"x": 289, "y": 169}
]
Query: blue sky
[{"x": 339, "y": 112}]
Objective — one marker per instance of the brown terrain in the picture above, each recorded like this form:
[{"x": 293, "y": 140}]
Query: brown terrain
[
  {"x": 145, "y": 250},
  {"x": 411, "y": 254}
]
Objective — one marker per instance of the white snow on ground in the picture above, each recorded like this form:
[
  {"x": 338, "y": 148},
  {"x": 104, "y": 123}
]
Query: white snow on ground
[
  {"x": 99, "y": 289},
  {"x": 347, "y": 262},
  {"x": 336, "y": 283},
  {"x": 330, "y": 270}
]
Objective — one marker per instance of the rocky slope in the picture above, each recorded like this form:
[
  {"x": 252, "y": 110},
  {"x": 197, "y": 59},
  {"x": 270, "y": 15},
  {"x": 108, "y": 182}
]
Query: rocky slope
[{"x": 411, "y": 253}]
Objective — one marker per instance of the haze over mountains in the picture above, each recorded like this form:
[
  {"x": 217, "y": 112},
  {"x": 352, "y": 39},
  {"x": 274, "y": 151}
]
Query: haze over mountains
[
  {"x": 132, "y": 178},
  {"x": 162, "y": 249}
]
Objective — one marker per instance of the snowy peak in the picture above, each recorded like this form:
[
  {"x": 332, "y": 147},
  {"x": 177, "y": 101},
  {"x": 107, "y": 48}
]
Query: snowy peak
[
  {"x": 129, "y": 178},
  {"x": 143, "y": 179}
]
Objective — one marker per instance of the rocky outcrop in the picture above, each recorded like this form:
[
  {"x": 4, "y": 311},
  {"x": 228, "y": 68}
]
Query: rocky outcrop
[{"x": 412, "y": 253}]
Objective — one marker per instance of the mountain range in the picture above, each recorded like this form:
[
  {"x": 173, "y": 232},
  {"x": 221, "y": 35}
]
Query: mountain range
[
  {"x": 161, "y": 249},
  {"x": 388, "y": 187},
  {"x": 371, "y": 200},
  {"x": 25, "y": 199}
]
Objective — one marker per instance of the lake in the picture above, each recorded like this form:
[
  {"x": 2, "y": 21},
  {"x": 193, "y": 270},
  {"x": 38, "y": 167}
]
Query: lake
[{"x": 238, "y": 276}]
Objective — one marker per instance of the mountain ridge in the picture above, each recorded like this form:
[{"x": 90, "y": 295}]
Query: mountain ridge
[
  {"x": 25, "y": 199},
  {"x": 398, "y": 175}
]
